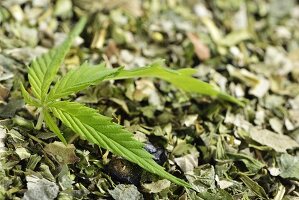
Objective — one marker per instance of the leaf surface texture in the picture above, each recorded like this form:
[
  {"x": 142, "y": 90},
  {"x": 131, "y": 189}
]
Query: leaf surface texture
[{"x": 100, "y": 130}]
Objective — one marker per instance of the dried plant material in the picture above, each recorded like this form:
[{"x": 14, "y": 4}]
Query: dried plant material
[
  {"x": 157, "y": 187},
  {"x": 22, "y": 153},
  {"x": 2, "y": 138},
  {"x": 63, "y": 154},
  {"x": 123, "y": 192},
  {"x": 175, "y": 108},
  {"x": 189, "y": 120},
  {"x": 277, "y": 60},
  {"x": 289, "y": 166},
  {"x": 40, "y": 189},
  {"x": 259, "y": 85},
  {"x": 4, "y": 92},
  {"x": 255, "y": 187},
  {"x": 146, "y": 89},
  {"x": 188, "y": 162},
  {"x": 201, "y": 50},
  {"x": 278, "y": 142}
]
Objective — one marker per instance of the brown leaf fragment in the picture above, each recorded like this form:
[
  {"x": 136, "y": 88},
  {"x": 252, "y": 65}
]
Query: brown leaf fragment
[
  {"x": 63, "y": 154},
  {"x": 201, "y": 50},
  {"x": 4, "y": 92}
]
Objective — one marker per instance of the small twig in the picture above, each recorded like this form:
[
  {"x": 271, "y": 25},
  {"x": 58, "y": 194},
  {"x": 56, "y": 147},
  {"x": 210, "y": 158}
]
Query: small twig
[{"x": 40, "y": 120}]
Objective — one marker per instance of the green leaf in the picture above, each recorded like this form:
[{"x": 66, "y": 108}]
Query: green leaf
[
  {"x": 100, "y": 130},
  {"x": 52, "y": 126},
  {"x": 28, "y": 98},
  {"x": 44, "y": 68},
  {"x": 180, "y": 78},
  {"x": 256, "y": 188},
  {"x": 79, "y": 79}
]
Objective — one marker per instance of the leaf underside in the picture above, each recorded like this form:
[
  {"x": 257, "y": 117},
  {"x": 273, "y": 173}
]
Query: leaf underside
[{"x": 100, "y": 130}]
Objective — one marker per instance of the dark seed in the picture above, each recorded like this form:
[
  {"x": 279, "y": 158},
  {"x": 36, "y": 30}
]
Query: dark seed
[{"x": 124, "y": 171}]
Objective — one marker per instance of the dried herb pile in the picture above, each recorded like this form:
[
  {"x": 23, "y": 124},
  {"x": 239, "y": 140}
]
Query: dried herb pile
[{"x": 250, "y": 49}]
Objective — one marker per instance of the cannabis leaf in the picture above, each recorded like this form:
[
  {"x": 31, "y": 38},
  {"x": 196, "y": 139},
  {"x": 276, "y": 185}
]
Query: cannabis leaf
[
  {"x": 100, "y": 130},
  {"x": 44, "y": 68},
  {"x": 79, "y": 79},
  {"x": 87, "y": 122},
  {"x": 180, "y": 78}
]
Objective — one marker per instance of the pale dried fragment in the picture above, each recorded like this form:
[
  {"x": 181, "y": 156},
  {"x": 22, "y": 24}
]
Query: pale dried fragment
[
  {"x": 3, "y": 134},
  {"x": 259, "y": 117},
  {"x": 241, "y": 18},
  {"x": 189, "y": 120},
  {"x": 124, "y": 192},
  {"x": 188, "y": 162},
  {"x": 17, "y": 12},
  {"x": 276, "y": 124},
  {"x": 146, "y": 89},
  {"x": 22, "y": 153},
  {"x": 280, "y": 143},
  {"x": 294, "y": 115},
  {"x": 283, "y": 32},
  {"x": 201, "y": 11},
  {"x": 99, "y": 38},
  {"x": 63, "y": 7},
  {"x": 220, "y": 80},
  {"x": 126, "y": 56},
  {"x": 274, "y": 171},
  {"x": 259, "y": 86},
  {"x": 237, "y": 89},
  {"x": 289, "y": 166},
  {"x": 237, "y": 120},
  {"x": 295, "y": 102},
  {"x": 238, "y": 55},
  {"x": 26, "y": 54},
  {"x": 260, "y": 89},
  {"x": 295, "y": 12},
  {"x": 40, "y": 3},
  {"x": 277, "y": 61},
  {"x": 40, "y": 189},
  {"x": 223, "y": 184},
  {"x": 244, "y": 75},
  {"x": 156, "y": 187},
  {"x": 289, "y": 125},
  {"x": 133, "y": 7}
]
